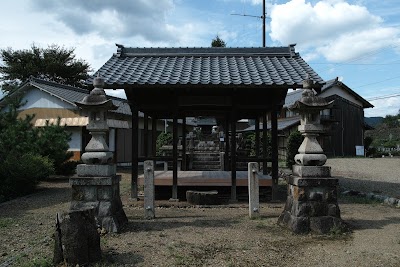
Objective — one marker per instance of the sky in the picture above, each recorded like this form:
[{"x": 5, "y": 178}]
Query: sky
[{"x": 355, "y": 40}]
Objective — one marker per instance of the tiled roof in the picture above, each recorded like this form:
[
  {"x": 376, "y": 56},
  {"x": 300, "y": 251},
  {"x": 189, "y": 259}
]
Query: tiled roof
[
  {"x": 73, "y": 94},
  {"x": 329, "y": 84},
  {"x": 271, "y": 66},
  {"x": 296, "y": 95}
]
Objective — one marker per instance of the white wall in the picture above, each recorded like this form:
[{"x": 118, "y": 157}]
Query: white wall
[
  {"x": 76, "y": 139},
  {"x": 36, "y": 98},
  {"x": 342, "y": 93}
]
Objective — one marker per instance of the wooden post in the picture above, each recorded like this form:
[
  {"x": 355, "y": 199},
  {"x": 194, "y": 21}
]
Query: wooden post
[
  {"x": 233, "y": 157},
  {"x": 183, "y": 167},
  {"x": 146, "y": 135},
  {"x": 154, "y": 138},
  {"x": 274, "y": 152},
  {"x": 148, "y": 170},
  {"x": 135, "y": 151},
  {"x": 227, "y": 144},
  {"x": 175, "y": 159},
  {"x": 257, "y": 130},
  {"x": 265, "y": 137},
  {"x": 254, "y": 192}
]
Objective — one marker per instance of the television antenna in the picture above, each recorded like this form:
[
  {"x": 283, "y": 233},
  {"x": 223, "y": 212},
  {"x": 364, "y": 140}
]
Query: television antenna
[{"x": 263, "y": 16}]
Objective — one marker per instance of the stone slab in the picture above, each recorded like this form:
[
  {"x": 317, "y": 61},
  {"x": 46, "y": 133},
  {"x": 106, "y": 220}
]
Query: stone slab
[
  {"x": 87, "y": 170},
  {"x": 302, "y": 182},
  {"x": 311, "y": 171},
  {"x": 76, "y": 180}
]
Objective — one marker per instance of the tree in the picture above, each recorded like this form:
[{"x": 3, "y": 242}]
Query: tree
[
  {"x": 53, "y": 63},
  {"x": 218, "y": 42},
  {"x": 294, "y": 141},
  {"x": 28, "y": 154},
  {"x": 392, "y": 121}
]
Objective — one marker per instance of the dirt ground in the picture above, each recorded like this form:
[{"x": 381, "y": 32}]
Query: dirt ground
[{"x": 184, "y": 235}]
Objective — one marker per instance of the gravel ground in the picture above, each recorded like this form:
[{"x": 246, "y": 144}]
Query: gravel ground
[
  {"x": 184, "y": 235},
  {"x": 375, "y": 175}
]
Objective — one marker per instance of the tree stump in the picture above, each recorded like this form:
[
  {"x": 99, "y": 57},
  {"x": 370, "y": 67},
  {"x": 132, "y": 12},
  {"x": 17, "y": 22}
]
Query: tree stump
[
  {"x": 76, "y": 238},
  {"x": 203, "y": 197}
]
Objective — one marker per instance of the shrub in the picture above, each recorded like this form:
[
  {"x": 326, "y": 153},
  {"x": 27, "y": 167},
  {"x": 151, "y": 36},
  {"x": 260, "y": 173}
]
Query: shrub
[
  {"x": 162, "y": 140},
  {"x": 67, "y": 168},
  {"x": 19, "y": 175},
  {"x": 53, "y": 143},
  {"x": 294, "y": 141},
  {"x": 250, "y": 144}
]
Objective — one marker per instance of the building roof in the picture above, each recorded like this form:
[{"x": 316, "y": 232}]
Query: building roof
[
  {"x": 271, "y": 66},
  {"x": 331, "y": 83},
  {"x": 282, "y": 124},
  {"x": 71, "y": 94},
  {"x": 292, "y": 97}
]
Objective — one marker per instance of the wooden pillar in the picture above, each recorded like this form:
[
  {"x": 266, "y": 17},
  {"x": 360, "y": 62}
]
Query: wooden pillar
[
  {"x": 274, "y": 152},
  {"x": 146, "y": 135},
  {"x": 175, "y": 159},
  {"x": 265, "y": 139},
  {"x": 154, "y": 138},
  {"x": 227, "y": 144},
  {"x": 233, "y": 157},
  {"x": 257, "y": 130},
  {"x": 135, "y": 151},
  {"x": 183, "y": 144}
]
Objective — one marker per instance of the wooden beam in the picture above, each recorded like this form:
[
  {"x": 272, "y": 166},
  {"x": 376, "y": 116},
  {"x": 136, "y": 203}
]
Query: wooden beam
[
  {"x": 154, "y": 138},
  {"x": 175, "y": 159},
  {"x": 274, "y": 152},
  {"x": 257, "y": 130},
  {"x": 183, "y": 144},
  {"x": 146, "y": 135},
  {"x": 265, "y": 139},
  {"x": 135, "y": 142},
  {"x": 227, "y": 144},
  {"x": 233, "y": 157}
]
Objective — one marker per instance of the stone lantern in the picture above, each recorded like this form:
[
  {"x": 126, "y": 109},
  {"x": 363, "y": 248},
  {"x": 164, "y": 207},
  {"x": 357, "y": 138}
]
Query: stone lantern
[
  {"x": 311, "y": 204},
  {"x": 96, "y": 184}
]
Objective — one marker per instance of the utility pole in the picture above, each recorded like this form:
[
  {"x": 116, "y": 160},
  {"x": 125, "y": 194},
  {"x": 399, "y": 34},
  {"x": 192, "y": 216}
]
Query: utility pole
[{"x": 261, "y": 17}]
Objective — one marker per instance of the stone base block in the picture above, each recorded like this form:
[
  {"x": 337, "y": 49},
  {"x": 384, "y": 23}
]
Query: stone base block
[
  {"x": 305, "y": 225},
  {"x": 307, "y": 182},
  {"x": 87, "y": 170},
  {"x": 101, "y": 194},
  {"x": 203, "y": 197},
  {"x": 311, "y": 171},
  {"x": 91, "y": 180},
  {"x": 312, "y": 206}
]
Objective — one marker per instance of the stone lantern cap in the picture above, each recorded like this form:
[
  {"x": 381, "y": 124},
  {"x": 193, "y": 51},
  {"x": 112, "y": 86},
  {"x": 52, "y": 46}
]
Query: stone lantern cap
[
  {"x": 97, "y": 97},
  {"x": 309, "y": 101}
]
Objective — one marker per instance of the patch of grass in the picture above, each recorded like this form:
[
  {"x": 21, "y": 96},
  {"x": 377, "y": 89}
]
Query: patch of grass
[
  {"x": 36, "y": 262},
  {"x": 6, "y": 222}
]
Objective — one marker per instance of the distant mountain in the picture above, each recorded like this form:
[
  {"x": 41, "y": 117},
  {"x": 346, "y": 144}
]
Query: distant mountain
[{"x": 373, "y": 121}]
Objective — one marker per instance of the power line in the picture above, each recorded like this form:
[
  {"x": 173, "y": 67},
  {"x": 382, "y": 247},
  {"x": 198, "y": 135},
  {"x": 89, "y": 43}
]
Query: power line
[
  {"x": 382, "y": 97},
  {"x": 392, "y": 78}
]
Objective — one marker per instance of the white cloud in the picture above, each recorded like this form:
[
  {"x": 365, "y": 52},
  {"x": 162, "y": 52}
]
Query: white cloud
[
  {"x": 335, "y": 29},
  {"x": 383, "y": 107}
]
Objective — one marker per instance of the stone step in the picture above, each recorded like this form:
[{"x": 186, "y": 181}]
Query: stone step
[
  {"x": 206, "y": 159},
  {"x": 215, "y": 163},
  {"x": 206, "y": 154},
  {"x": 206, "y": 168}
]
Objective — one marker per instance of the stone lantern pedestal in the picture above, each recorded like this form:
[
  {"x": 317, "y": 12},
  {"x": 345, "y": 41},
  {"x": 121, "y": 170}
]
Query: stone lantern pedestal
[
  {"x": 96, "y": 184},
  {"x": 311, "y": 205}
]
